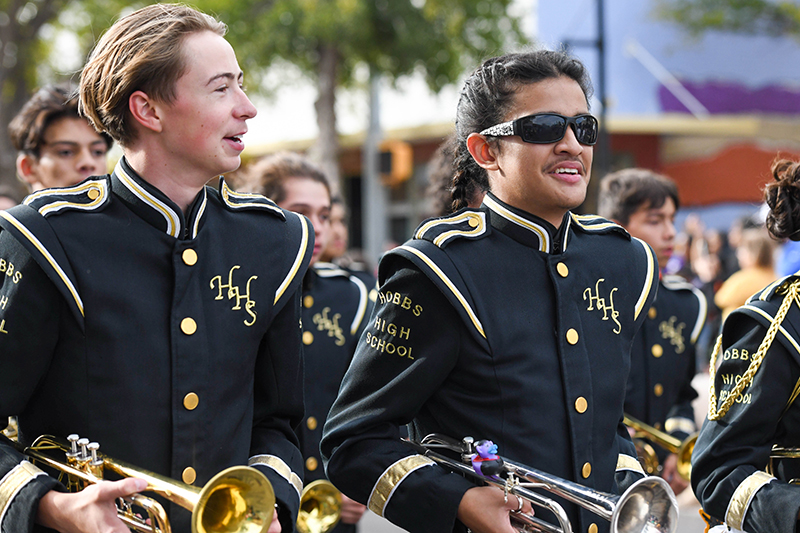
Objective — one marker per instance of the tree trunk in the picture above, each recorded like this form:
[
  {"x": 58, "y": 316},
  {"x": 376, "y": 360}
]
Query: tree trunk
[{"x": 325, "y": 150}]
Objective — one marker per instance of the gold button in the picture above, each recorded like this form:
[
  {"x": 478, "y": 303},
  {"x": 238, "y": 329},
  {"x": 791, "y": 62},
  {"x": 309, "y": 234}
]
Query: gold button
[
  {"x": 657, "y": 350},
  {"x": 652, "y": 312},
  {"x": 586, "y": 471},
  {"x": 592, "y": 528},
  {"x": 312, "y": 463},
  {"x": 308, "y": 301},
  {"x": 563, "y": 270},
  {"x": 189, "y": 475},
  {"x": 311, "y": 422},
  {"x": 474, "y": 222},
  {"x": 308, "y": 337},
  {"x": 572, "y": 336},
  {"x": 188, "y": 326},
  {"x": 189, "y": 257},
  {"x": 581, "y": 404},
  {"x": 658, "y": 389},
  {"x": 93, "y": 194},
  {"x": 190, "y": 401}
]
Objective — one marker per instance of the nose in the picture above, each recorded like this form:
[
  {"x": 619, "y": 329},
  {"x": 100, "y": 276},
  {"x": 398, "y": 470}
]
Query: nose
[
  {"x": 569, "y": 143},
  {"x": 245, "y": 109},
  {"x": 670, "y": 230},
  {"x": 87, "y": 163}
]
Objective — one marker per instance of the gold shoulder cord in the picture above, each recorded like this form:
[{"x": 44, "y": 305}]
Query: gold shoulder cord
[{"x": 792, "y": 295}]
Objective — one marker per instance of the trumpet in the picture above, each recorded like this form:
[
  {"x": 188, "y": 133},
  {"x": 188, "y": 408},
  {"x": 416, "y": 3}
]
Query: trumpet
[
  {"x": 647, "y": 506},
  {"x": 239, "y": 499},
  {"x": 649, "y": 459},
  {"x": 320, "y": 507}
]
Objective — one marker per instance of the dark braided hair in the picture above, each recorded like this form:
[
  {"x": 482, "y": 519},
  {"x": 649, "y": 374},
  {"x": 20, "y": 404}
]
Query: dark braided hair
[
  {"x": 486, "y": 98},
  {"x": 783, "y": 198}
]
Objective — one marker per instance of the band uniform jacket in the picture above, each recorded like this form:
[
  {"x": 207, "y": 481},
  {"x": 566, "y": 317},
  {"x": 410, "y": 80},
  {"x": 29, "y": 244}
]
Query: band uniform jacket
[
  {"x": 752, "y": 408},
  {"x": 336, "y": 305},
  {"x": 172, "y": 341},
  {"x": 491, "y": 323},
  {"x": 663, "y": 363}
]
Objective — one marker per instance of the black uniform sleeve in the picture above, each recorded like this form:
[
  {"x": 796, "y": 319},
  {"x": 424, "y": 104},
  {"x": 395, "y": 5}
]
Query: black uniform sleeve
[
  {"x": 29, "y": 319},
  {"x": 279, "y": 408},
  {"x": 733, "y": 451},
  {"x": 408, "y": 349}
]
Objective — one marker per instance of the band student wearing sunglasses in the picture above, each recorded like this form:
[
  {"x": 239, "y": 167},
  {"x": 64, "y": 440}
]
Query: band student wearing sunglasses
[{"x": 511, "y": 322}]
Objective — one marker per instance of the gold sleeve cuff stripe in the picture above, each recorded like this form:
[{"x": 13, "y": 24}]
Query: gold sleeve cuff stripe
[
  {"x": 701, "y": 315},
  {"x": 649, "y": 280},
  {"x": 684, "y": 425},
  {"x": 279, "y": 466},
  {"x": 626, "y": 462},
  {"x": 742, "y": 496},
  {"x": 46, "y": 254},
  {"x": 173, "y": 221},
  {"x": 391, "y": 479},
  {"x": 427, "y": 260},
  {"x": 544, "y": 236},
  {"x": 301, "y": 253},
  {"x": 769, "y": 317},
  {"x": 363, "y": 298},
  {"x": 54, "y": 207},
  {"x": 13, "y": 482}
]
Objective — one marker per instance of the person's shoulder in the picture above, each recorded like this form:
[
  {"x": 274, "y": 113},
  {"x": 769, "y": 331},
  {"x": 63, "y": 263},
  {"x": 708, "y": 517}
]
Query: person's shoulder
[
  {"x": 90, "y": 195},
  {"x": 464, "y": 225},
  {"x": 337, "y": 274},
  {"x": 248, "y": 204},
  {"x": 597, "y": 225}
]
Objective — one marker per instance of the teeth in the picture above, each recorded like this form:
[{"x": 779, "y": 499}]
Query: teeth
[{"x": 566, "y": 171}]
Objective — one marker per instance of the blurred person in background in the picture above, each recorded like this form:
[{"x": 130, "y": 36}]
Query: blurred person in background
[
  {"x": 659, "y": 391},
  {"x": 755, "y": 255},
  {"x": 335, "y": 305},
  {"x": 337, "y": 250},
  {"x": 753, "y": 405},
  {"x": 56, "y": 146}
]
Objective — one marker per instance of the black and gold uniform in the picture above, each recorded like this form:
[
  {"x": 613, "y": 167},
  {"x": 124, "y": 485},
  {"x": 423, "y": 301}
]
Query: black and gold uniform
[
  {"x": 752, "y": 408},
  {"x": 491, "y": 323},
  {"x": 336, "y": 307},
  {"x": 663, "y": 362},
  {"x": 173, "y": 340}
]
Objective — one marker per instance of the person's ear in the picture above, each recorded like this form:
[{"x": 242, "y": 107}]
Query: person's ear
[
  {"x": 483, "y": 152},
  {"x": 26, "y": 168},
  {"x": 145, "y": 111}
]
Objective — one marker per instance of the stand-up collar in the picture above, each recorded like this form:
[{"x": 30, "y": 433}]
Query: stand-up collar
[
  {"x": 526, "y": 228},
  {"x": 154, "y": 206}
]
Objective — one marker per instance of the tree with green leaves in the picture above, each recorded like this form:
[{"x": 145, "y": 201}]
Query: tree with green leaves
[
  {"x": 329, "y": 39},
  {"x": 757, "y": 17}
]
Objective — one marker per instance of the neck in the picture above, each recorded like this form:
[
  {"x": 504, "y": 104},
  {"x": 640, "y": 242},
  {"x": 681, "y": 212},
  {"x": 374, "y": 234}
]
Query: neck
[{"x": 178, "y": 184}]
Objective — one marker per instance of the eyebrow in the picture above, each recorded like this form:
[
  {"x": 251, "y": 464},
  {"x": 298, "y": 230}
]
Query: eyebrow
[
  {"x": 226, "y": 75},
  {"x": 73, "y": 143}
]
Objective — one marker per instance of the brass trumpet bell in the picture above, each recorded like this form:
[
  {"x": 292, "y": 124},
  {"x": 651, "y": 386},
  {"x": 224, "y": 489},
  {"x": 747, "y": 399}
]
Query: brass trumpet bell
[
  {"x": 320, "y": 507},
  {"x": 683, "y": 449}
]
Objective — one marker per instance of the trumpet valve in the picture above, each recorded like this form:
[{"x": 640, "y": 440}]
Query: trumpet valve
[
  {"x": 72, "y": 454},
  {"x": 95, "y": 463}
]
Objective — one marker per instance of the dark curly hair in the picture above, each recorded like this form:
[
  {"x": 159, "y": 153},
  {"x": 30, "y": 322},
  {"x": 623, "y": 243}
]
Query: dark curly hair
[
  {"x": 623, "y": 192},
  {"x": 486, "y": 98},
  {"x": 783, "y": 198}
]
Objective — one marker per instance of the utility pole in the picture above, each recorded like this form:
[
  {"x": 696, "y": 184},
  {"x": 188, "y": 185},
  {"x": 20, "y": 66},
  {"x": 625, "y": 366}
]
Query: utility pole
[{"x": 373, "y": 197}]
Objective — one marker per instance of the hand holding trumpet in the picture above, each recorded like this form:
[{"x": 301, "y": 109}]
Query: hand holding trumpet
[{"x": 488, "y": 510}]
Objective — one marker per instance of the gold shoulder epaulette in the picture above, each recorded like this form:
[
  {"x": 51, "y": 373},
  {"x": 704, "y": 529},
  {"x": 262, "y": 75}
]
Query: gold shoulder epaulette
[
  {"x": 596, "y": 224},
  {"x": 237, "y": 201},
  {"x": 87, "y": 195},
  {"x": 791, "y": 294},
  {"x": 467, "y": 223}
]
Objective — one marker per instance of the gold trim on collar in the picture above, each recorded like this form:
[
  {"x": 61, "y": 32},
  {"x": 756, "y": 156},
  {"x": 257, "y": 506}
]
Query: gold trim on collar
[
  {"x": 626, "y": 462},
  {"x": 279, "y": 466},
  {"x": 301, "y": 253},
  {"x": 742, "y": 496},
  {"x": 651, "y": 262},
  {"x": 391, "y": 478},
  {"x": 544, "y": 236},
  {"x": 450, "y": 285},
  {"x": 13, "y": 482},
  {"x": 173, "y": 221},
  {"x": 46, "y": 254}
]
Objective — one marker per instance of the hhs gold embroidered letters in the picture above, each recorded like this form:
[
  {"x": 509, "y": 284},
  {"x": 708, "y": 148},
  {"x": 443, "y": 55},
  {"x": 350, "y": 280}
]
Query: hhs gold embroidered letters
[
  {"x": 234, "y": 294},
  {"x": 599, "y": 303},
  {"x": 674, "y": 333},
  {"x": 331, "y": 325}
]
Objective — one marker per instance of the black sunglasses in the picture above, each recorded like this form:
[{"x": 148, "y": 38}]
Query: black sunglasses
[{"x": 545, "y": 128}]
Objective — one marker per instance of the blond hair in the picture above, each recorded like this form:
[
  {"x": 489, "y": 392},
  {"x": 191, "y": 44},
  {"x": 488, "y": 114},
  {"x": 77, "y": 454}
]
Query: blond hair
[{"x": 140, "y": 52}]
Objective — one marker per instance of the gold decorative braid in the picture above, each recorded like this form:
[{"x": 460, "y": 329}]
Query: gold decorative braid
[{"x": 792, "y": 295}]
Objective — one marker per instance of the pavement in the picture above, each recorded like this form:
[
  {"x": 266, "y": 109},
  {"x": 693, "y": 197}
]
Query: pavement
[{"x": 689, "y": 520}]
